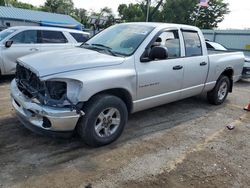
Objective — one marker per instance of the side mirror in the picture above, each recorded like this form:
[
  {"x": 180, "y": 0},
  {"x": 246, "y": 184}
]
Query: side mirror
[
  {"x": 158, "y": 52},
  {"x": 8, "y": 43}
]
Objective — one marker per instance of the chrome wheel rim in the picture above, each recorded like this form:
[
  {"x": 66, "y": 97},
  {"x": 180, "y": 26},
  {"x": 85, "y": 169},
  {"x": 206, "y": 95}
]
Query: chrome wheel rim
[
  {"x": 222, "y": 91},
  {"x": 107, "y": 122}
]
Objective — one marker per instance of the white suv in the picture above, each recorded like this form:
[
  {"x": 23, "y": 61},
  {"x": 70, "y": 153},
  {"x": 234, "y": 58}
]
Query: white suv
[{"x": 19, "y": 41}]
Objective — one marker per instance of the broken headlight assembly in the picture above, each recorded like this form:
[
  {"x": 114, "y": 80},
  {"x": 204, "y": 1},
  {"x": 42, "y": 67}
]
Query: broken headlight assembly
[
  {"x": 56, "y": 90},
  {"x": 62, "y": 93}
]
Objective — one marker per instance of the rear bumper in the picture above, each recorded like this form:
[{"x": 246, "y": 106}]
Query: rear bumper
[{"x": 39, "y": 118}]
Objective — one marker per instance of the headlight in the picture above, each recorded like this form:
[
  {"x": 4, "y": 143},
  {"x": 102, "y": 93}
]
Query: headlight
[
  {"x": 73, "y": 90},
  {"x": 56, "y": 89},
  {"x": 62, "y": 89}
]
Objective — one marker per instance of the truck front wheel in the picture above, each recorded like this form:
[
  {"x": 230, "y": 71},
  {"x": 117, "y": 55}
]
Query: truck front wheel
[
  {"x": 104, "y": 120},
  {"x": 218, "y": 95}
]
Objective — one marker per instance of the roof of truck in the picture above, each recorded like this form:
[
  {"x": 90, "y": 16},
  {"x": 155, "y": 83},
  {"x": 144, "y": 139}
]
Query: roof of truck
[{"x": 164, "y": 25}]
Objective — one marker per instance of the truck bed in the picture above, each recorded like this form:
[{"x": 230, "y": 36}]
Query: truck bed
[
  {"x": 220, "y": 60},
  {"x": 211, "y": 52}
]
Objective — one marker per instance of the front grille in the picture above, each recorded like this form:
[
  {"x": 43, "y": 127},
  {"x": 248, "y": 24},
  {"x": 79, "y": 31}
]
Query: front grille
[
  {"x": 51, "y": 93},
  {"x": 28, "y": 83}
]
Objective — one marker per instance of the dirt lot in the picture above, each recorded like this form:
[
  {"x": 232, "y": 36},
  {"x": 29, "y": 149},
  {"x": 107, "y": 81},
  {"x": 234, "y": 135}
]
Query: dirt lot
[{"x": 182, "y": 144}]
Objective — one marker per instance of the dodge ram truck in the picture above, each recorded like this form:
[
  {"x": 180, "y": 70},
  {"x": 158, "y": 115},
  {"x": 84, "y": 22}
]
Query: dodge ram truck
[{"x": 124, "y": 69}]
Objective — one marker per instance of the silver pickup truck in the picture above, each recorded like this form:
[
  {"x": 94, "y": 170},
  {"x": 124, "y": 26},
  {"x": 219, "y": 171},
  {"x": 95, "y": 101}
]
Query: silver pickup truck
[{"x": 126, "y": 68}]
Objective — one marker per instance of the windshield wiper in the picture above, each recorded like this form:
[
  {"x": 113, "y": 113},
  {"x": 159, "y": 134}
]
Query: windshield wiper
[
  {"x": 101, "y": 45},
  {"x": 106, "y": 48},
  {"x": 97, "y": 46}
]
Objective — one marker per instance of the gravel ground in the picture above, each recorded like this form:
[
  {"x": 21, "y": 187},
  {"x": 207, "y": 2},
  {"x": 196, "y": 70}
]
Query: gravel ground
[{"x": 182, "y": 144}]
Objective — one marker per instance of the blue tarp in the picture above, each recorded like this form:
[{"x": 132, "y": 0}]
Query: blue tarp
[{"x": 60, "y": 24}]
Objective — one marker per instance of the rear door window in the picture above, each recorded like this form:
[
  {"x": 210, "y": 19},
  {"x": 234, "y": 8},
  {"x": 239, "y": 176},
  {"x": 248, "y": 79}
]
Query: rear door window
[
  {"x": 192, "y": 43},
  {"x": 79, "y": 37},
  {"x": 53, "y": 37},
  {"x": 25, "y": 37}
]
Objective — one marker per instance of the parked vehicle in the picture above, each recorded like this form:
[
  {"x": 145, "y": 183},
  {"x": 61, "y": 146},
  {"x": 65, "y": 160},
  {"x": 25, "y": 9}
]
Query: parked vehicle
[
  {"x": 216, "y": 46},
  {"x": 19, "y": 41},
  {"x": 124, "y": 69}
]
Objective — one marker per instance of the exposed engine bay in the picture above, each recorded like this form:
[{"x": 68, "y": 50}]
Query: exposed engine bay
[{"x": 50, "y": 93}]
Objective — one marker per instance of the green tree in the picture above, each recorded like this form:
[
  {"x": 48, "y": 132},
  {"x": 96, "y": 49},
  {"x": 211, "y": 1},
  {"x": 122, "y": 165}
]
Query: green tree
[
  {"x": 108, "y": 13},
  {"x": 138, "y": 11},
  {"x": 2, "y": 3},
  {"x": 154, "y": 10},
  {"x": 188, "y": 12},
  {"x": 59, "y": 6},
  {"x": 179, "y": 11},
  {"x": 209, "y": 17},
  {"x": 176, "y": 11},
  {"x": 81, "y": 15},
  {"x": 18, "y": 4},
  {"x": 131, "y": 12}
]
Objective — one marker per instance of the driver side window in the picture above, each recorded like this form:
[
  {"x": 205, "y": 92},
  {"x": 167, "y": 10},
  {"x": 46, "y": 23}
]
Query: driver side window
[
  {"x": 171, "y": 41},
  {"x": 25, "y": 37}
]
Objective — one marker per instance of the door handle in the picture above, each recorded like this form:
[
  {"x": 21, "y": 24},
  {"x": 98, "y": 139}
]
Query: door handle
[
  {"x": 203, "y": 63},
  {"x": 33, "y": 49},
  {"x": 178, "y": 67}
]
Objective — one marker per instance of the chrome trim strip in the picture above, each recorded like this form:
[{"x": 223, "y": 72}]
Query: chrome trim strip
[
  {"x": 169, "y": 93},
  {"x": 210, "y": 83}
]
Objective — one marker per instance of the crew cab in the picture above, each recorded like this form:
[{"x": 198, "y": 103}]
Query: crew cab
[
  {"x": 124, "y": 69},
  {"x": 19, "y": 41}
]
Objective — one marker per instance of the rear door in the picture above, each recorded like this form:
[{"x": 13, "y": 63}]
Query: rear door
[
  {"x": 195, "y": 64},
  {"x": 24, "y": 43},
  {"x": 54, "y": 40}
]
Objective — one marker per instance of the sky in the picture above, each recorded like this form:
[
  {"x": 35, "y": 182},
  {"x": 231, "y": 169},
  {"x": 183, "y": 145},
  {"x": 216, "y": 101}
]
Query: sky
[{"x": 238, "y": 18}]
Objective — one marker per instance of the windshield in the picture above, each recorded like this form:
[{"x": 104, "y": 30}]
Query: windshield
[
  {"x": 5, "y": 33},
  {"x": 121, "y": 39}
]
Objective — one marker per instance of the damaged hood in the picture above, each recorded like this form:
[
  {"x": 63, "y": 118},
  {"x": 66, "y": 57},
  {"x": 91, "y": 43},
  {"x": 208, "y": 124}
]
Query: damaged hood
[{"x": 60, "y": 61}]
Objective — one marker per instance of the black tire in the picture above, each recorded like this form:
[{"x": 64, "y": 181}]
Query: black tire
[
  {"x": 86, "y": 124},
  {"x": 213, "y": 96}
]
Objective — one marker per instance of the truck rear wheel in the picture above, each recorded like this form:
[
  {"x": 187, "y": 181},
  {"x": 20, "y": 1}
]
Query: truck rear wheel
[
  {"x": 219, "y": 94},
  {"x": 104, "y": 120}
]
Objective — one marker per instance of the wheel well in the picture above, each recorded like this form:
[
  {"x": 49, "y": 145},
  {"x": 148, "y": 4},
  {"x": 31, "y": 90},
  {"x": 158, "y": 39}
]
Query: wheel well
[
  {"x": 229, "y": 73},
  {"x": 123, "y": 94}
]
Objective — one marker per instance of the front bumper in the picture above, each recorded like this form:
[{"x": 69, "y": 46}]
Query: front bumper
[
  {"x": 246, "y": 72},
  {"x": 40, "y": 118}
]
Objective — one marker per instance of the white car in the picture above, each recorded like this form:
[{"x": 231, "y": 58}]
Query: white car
[{"x": 19, "y": 41}]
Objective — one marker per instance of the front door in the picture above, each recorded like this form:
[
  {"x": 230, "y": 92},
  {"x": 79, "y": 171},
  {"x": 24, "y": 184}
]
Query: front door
[{"x": 160, "y": 81}]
